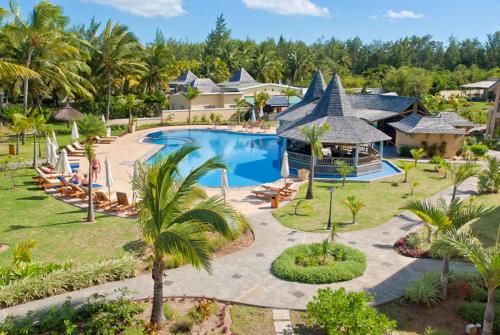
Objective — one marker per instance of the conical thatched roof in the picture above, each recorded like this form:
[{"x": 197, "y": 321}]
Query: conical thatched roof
[{"x": 67, "y": 114}]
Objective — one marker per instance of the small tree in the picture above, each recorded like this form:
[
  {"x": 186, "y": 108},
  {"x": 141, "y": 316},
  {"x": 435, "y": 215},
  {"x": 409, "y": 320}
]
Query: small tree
[
  {"x": 460, "y": 173},
  {"x": 343, "y": 169},
  {"x": 489, "y": 178},
  {"x": 455, "y": 102},
  {"x": 313, "y": 135},
  {"x": 289, "y": 92},
  {"x": 413, "y": 186},
  {"x": 354, "y": 205},
  {"x": 190, "y": 95},
  {"x": 9, "y": 165},
  {"x": 19, "y": 125},
  {"x": 406, "y": 167},
  {"x": 300, "y": 205},
  {"x": 417, "y": 154},
  {"x": 260, "y": 100},
  {"x": 240, "y": 103},
  {"x": 340, "y": 312}
]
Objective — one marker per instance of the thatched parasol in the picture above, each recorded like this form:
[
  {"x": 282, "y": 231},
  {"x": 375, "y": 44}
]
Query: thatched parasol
[{"x": 67, "y": 114}]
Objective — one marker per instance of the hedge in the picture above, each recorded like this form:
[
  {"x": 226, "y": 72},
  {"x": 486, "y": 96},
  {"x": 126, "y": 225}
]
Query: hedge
[
  {"x": 353, "y": 265},
  {"x": 66, "y": 280}
]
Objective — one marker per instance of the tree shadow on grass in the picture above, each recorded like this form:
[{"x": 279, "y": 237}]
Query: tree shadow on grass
[
  {"x": 136, "y": 247},
  {"x": 34, "y": 198},
  {"x": 21, "y": 227}
]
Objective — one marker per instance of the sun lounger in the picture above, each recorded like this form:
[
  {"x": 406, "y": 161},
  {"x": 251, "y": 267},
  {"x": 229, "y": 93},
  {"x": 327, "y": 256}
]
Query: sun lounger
[
  {"x": 122, "y": 203},
  {"x": 103, "y": 201},
  {"x": 103, "y": 140},
  {"x": 76, "y": 191},
  {"x": 48, "y": 183},
  {"x": 286, "y": 190},
  {"x": 79, "y": 146},
  {"x": 268, "y": 194},
  {"x": 73, "y": 152}
]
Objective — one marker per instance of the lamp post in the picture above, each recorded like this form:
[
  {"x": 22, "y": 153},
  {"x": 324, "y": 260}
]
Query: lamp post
[{"x": 329, "y": 225}]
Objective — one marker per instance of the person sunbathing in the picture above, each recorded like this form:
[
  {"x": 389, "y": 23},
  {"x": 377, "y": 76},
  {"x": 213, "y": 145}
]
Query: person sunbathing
[{"x": 77, "y": 178}]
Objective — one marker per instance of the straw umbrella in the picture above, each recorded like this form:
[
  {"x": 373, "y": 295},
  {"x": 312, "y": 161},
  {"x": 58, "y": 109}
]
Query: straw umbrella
[
  {"x": 53, "y": 155},
  {"x": 109, "y": 177},
  {"x": 224, "y": 184},
  {"x": 253, "y": 119},
  {"x": 54, "y": 140},
  {"x": 74, "y": 132},
  {"x": 285, "y": 169},
  {"x": 63, "y": 165}
]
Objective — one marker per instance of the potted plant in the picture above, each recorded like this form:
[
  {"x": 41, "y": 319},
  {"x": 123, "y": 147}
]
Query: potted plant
[{"x": 132, "y": 124}]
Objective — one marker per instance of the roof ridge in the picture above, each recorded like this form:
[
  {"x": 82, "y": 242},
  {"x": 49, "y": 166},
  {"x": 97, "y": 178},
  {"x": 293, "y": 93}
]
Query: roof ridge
[
  {"x": 333, "y": 102},
  {"x": 316, "y": 87}
]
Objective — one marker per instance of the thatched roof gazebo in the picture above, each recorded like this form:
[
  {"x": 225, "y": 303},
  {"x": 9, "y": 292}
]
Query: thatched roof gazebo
[
  {"x": 67, "y": 114},
  {"x": 349, "y": 139}
]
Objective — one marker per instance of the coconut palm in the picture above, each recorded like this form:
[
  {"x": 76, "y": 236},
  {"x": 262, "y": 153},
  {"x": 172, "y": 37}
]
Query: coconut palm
[
  {"x": 343, "y": 169},
  {"x": 299, "y": 63},
  {"x": 289, "y": 92},
  {"x": 15, "y": 71},
  {"x": 240, "y": 103},
  {"x": 266, "y": 67},
  {"x": 118, "y": 54},
  {"x": 175, "y": 214},
  {"x": 36, "y": 122},
  {"x": 313, "y": 135},
  {"x": 487, "y": 263},
  {"x": 158, "y": 62},
  {"x": 455, "y": 102},
  {"x": 90, "y": 126},
  {"x": 417, "y": 154},
  {"x": 489, "y": 178},
  {"x": 260, "y": 100},
  {"x": 440, "y": 217},
  {"x": 190, "y": 95},
  {"x": 406, "y": 167},
  {"x": 354, "y": 205},
  {"x": 129, "y": 101},
  {"x": 460, "y": 173}
]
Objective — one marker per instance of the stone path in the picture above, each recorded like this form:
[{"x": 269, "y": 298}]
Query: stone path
[
  {"x": 245, "y": 276},
  {"x": 282, "y": 323}
]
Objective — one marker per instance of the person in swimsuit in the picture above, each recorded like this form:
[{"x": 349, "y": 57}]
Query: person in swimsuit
[
  {"x": 77, "y": 178},
  {"x": 96, "y": 168}
]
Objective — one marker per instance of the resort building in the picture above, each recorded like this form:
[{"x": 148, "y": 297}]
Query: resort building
[
  {"x": 480, "y": 90},
  {"x": 220, "y": 98},
  {"x": 493, "y": 119},
  {"x": 349, "y": 138}
]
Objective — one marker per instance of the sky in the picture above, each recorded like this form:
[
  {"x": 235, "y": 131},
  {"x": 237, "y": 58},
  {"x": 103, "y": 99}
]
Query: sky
[{"x": 305, "y": 20}]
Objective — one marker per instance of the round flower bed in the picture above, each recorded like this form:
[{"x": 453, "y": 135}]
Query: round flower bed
[
  {"x": 406, "y": 247},
  {"x": 318, "y": 263}
]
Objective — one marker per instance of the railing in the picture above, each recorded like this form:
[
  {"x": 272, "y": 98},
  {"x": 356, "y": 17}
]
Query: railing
[{"x": 372, "y": 156}]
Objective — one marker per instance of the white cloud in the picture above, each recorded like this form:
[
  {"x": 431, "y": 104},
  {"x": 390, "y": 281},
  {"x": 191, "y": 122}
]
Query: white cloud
[
  {"x": 288, "y": 7},
  {"x": 403, "y": 14},
  {"x": 146, "y": 8}
]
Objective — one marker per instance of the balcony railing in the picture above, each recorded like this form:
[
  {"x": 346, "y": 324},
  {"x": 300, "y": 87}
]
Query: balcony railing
[{"x": 365, "y": 157}]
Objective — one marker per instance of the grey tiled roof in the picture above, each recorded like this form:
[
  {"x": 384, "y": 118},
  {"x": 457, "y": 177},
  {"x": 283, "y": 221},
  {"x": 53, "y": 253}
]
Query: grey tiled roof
[
  {"x": 242, "y": 76},
  {"x": 455, "y": 120},
  {"x": 485, "y": 84},
  {"x": 416, "y": 124},
  {"x": 204, "y": 85},
  {"x": 390, "y": 103},
  {"x": 185, "y": 78},
  {"x": 334, "y": 109},
  {"x": 316, "y": 88}
]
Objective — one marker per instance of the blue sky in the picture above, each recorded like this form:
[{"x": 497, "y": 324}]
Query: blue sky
[{"x": 297, "y": 19}]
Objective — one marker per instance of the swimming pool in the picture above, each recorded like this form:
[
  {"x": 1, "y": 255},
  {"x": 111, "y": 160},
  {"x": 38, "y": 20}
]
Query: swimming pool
[{"x": 251, "y": 159}]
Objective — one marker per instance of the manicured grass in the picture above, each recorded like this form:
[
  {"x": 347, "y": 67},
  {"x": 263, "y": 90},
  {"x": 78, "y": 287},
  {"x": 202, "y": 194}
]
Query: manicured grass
[
  {"x": 251, "y": 320},
  {"x": 477, "y": 111},
  {"x": 486, "y": 227},
  {"x": 58, "y": 228},
  {"x": 384, "y": 199}
]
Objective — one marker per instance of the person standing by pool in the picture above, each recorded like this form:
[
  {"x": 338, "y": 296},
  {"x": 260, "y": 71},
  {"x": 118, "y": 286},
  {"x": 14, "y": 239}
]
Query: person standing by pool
[{"x": 96, "y": 168}]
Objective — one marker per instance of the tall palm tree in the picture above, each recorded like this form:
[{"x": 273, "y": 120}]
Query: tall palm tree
[
  {"x": 460, "y": 173},
  {"x": 175, "y": 214},
  {"x": 36, "y": 122},
  {"x": 190, "y": 95},
  {"x": 159, "y": 65},
  {"x": 119, "y": 55},
  {"x": 266, "y": 67},
  {"x": 313, "y": 135},
  {"x": 289, "y": 92},
  {"x": 299, "y": 63},
  {"x": 487, "y": 263},
  {"x": 15, "y": 71},
  {"x": 441, "y": 217},
  {"x": 260, "y": 100},
  {"x": 90, "y": 126},
  {"x": 240, "y": 103},
  {"x": 44, "y": 25}
]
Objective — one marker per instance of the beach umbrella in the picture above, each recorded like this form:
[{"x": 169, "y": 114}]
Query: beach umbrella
[
  {"x": 109, "y": 177},
  {"x": 285, "y": 169},
  {"x": 54, "y": 140},
  {"x": 261, "y": 113},
  {"x": 48, "y": 143},
  {"x": 224, "y": 184},
  {"x": 103, "y": 119},
  {"x": 63, "y": 165},
  {"x": 74, "y": 132},
  {"x": 53, "y": 155}
]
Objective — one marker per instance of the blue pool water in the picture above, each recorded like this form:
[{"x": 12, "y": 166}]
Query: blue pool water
[{"x": 251, "y": 159}]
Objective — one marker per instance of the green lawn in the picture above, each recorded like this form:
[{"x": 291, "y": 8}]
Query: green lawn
[
  {"x": 384, "y": 199},
  {"x": 477, "y": 112},
  {"x": 247, "y": 320},
  {"x": 486, "y": 227},
  {"x": 58, "y": 228}
]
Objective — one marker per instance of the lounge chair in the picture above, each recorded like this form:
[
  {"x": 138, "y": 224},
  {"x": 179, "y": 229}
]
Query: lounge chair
[
  {"x": 103, "y": 140},
  {"x": 103, "y": 201},
  {"x": 41, "y": 177},
  {"x": 73, "y": 152},
  {"x": 78, "y": 146},
  {"x": 49, "y": 183},
  {"x": 122, "y": 203},
  {"x": 268, "y": 194},
  {"x": 76, "y": 191},
  {"x": 285, "y": 190}
]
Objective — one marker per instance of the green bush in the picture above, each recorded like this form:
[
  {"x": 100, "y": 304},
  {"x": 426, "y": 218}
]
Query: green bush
[
  {"x": 473, "y": 312},
  {"x": 424, "y": 290},
  {"x": 415, "y": 241},
  {"x": 350, "y": 263},
  {"x": 405, "y": 150},
  {"x": 479, "y": 150},
  {"x": 341, "y": 312},
  {"x": 66, "y": 280},
  {"x": 22, "y": 270},
  {"x": 97, "y": 316},
  {"x": 8, "y": 112}
]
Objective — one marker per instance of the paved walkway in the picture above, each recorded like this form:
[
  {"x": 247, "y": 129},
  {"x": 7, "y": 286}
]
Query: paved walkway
[{"x": 245, "y": 276}]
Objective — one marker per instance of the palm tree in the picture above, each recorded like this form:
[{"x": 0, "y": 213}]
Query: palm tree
[
  {"x": 460, "y": 173},
  {"x": 455, "y": 102},
  {"x": 89, "y": 127},
  {"x": 240, "y": 103},
  {"x": 36, "y": 122},
  {"x": 129, "y": 101},
  {"x": 406, "y": 167},
  {"x": 158, "y": 62},
  {"x": 441, "y": 217},
  {"x": 299, "y": 63},
  {"x": 175, "y": 214},
  {"x": 417, "y": 154},
  {"x": 487, "y": 263},
  {"x": 14, "y": 71},
  {"x": 190, "y": 95},
  {"x": 260, "y": 100},
  {"x": 289, "y": 92},
  {"x": 119, "y": 53},
  {"x": 313, "y": 135},
  {"x": 19, "y": 126},
  {"x": 354, "y": 205},
  {"x": 343, "y": 169},
  {"x": 43, "y": 26},
  {"x": 489, "y": 178}
]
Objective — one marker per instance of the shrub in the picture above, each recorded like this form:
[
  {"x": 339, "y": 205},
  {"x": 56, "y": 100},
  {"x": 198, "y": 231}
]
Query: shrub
[
  {"x": 349, "y": 263},
  {"x": 479, "y": 150},
  {"x": 461, "y": 290},
  {"x": 341, "y": 312},
  {"x": 424, "y": 290},
  {"x": 414, "y": 241},
  {"x": 411, "y": 245},
  {"x": 97, "y": 316},
  {"x": 405, "y": 150},
  {"x": 473, "y": 312},
  {"x": 57, "y": 282},
  {"x": 22, "y": 270}
]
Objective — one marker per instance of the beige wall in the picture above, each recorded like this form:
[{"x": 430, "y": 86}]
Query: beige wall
[
  {"x": 271, "y": 89},
  {"x": 453, "y": 142},
  {"x": 182, "y": 115},
  {"x": 204, "y": 101}
]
